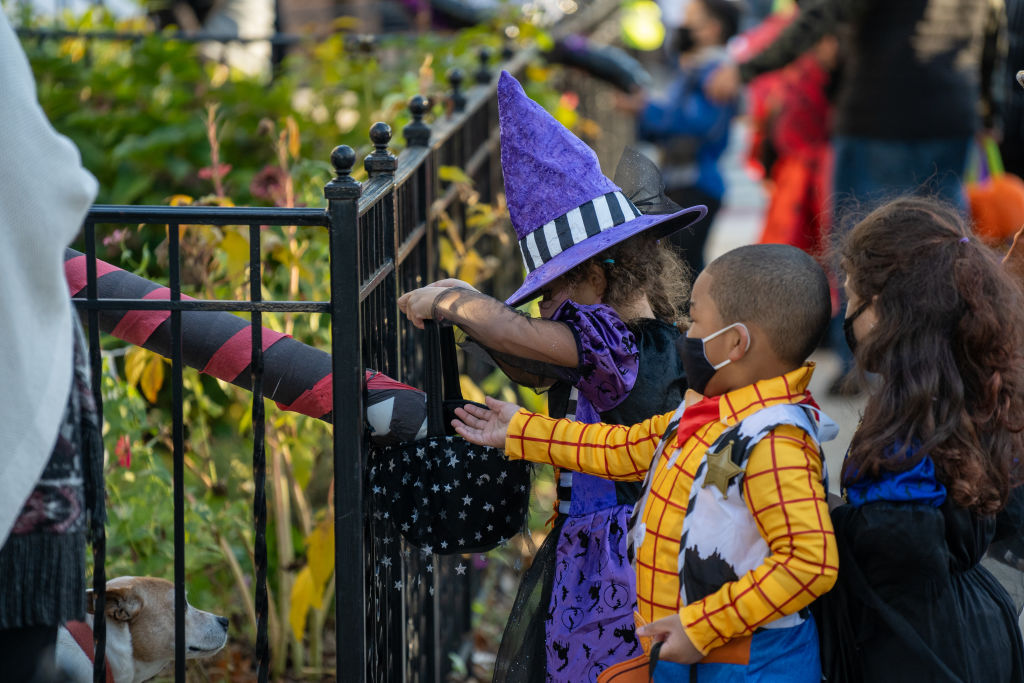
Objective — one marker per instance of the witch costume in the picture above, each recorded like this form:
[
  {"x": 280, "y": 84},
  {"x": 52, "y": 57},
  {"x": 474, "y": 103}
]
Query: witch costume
[{"x": 573, "y": 615}]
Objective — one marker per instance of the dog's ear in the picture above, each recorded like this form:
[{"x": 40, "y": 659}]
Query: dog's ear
[{"x": 122, "y": 604}]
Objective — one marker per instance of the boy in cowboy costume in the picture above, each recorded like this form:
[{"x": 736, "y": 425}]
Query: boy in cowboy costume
[{"x": 731, "y": 539}]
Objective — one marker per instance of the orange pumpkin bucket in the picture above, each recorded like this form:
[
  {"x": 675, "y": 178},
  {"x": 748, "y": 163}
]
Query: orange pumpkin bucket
[{"x": 996, "y": 198}]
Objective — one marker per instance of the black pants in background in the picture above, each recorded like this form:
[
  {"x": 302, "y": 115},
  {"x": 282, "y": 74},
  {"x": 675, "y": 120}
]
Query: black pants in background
[
  {"x": 28, "y": 654},
  {"x": 691, "y": 240}
]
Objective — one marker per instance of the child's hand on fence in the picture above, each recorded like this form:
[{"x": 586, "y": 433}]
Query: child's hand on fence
[
  {"x": 485, "y": 426},
  {"x": 676, "y": 645},
  {"x": 418, "y": 305},
  {"x": 452, "y": 282}
]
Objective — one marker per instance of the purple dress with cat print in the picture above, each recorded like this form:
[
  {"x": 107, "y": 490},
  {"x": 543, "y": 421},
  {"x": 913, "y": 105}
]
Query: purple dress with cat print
[{"x": 580, "y": 592}]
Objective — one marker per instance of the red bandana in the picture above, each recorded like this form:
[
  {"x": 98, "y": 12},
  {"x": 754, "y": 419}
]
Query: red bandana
[{"x": 695, "y": 417}]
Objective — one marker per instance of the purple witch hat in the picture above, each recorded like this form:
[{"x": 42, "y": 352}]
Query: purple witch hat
[{"x": 563, "y": 208}]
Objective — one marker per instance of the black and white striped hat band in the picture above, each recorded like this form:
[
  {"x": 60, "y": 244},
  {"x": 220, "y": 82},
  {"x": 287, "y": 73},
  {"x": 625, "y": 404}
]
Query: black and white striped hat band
[{"x": 588, "y": 219}]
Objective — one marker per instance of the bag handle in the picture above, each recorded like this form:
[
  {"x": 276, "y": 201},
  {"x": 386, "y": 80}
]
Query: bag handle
[
  {"x": 449, "y": 364},
  {"x": 441, "y": 381}
]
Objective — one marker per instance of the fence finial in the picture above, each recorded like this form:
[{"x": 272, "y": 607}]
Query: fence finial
[
  {"x": 416, "y": 132},
  {"x": 483, "y": 73},
  {"x": 343, "y": 185},
  {"x": 458, "y": 100},
  {"x": 380, "y": 161}
]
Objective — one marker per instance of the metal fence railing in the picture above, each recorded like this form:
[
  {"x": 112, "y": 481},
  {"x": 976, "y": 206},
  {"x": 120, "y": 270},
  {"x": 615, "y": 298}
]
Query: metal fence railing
[
  {"x": 395, "y": 619},
  {"x": 392, "y": 624}
]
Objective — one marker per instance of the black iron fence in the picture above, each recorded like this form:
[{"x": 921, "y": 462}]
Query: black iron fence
[{"x": 400, "y": 614}]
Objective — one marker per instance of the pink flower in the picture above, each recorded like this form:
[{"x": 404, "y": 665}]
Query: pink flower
[
  {"x": 207, "y": 171},
  {"x": 123, "y": 450},
  {"x": 116, "y": 238},
  {"x": 268, "y": 184}
]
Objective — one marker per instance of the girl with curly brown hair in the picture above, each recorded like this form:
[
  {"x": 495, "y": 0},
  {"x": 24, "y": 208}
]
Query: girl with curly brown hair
[
  {"x": 612, "y": 291},
  {"x": 934, "y": 315}
]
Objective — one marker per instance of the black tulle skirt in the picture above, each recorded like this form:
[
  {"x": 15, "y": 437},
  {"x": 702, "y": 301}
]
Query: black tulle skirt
[{"x": 912, "y": 602}]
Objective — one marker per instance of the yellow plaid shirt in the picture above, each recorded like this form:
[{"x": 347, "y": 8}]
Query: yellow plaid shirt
[{"x": 782, "y": 488}]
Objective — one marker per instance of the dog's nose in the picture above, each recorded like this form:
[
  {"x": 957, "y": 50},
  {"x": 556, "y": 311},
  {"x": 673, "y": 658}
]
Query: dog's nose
[{"x": 223, "y": 621}]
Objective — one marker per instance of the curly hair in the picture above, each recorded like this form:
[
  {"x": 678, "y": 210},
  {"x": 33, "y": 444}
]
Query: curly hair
[
  {"x": 947, "y": 345},
  {"x": 643, "y": 264}
]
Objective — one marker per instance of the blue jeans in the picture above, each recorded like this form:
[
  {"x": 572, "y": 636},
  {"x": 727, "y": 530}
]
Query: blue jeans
[{"x": 871, "y": 171}]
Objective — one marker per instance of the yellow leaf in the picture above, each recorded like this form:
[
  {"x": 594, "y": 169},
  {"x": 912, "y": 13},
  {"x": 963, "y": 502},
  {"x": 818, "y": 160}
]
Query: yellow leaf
[
  {"x": 345, "y": 23},
  {"x": 180, "y": 200},
  {"x": 293, "y": 137},
  {"x": 73, "y": 48},
  {"x": 454, "y": 174},
  {"x": 447, "y": 258},
  {"x": 321, "y": 555},
  {"x": 567, "y": 117},
  {"x": 469, "y": 269},
  {"x": 219, "y": 75},
  {"x": 134, "y": 364},
  {"x": 152, "y": 378},
  {"x": 590, "y": 128},
  {"x": 426, "y": 73},
  {"x": 301, "y": 602},
  {"x": 236, "y": 248},
  {"x": 470, "y": 390},
  {"x": 537, "y": 74}
]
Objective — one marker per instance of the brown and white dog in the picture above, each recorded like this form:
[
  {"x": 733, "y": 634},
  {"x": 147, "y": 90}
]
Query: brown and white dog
[{"x": 140, "y": 632}]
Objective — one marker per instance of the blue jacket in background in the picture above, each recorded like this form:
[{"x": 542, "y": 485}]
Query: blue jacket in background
[{"x": 691, "y": 130}]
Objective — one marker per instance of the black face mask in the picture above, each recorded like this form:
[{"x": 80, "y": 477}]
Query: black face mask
[
  {"x": 684, "y": 39},
  {"x": 851, "y": 340},
  {"x": 699, "y": 370}
]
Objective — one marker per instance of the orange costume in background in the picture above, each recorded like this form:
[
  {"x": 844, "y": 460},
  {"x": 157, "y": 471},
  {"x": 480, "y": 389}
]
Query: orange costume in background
[
  {"x": 790, "y": 127},
  {"x": 782, "y": 490}
]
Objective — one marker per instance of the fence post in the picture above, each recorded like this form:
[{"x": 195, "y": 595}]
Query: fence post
[
  {"x": 342, "y": 194},
  {"x": 380, "y": 161},
  {"x": 416, "y": 133},
  {"x": 483, "y": 72},
  {"x": 458, "y": 100}
]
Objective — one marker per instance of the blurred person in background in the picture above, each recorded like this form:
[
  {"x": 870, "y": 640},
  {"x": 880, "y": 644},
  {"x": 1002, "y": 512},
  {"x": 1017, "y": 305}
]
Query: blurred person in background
[
  {"x": 908, "y": 106},
  {"x": 225, "y": 19},
  {"x": 691, "y": 130},
  {"x": 791, "y": 123},
  {"x": 1012, "y": 144}
]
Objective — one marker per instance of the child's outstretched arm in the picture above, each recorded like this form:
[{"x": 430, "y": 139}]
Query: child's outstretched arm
[
  {"x": 609, "y": 451},
  {"x": 492, "y": 323}
]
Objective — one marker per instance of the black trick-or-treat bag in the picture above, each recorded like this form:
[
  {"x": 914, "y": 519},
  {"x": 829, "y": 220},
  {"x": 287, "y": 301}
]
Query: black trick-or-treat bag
[{"x": 445, "y": 494}]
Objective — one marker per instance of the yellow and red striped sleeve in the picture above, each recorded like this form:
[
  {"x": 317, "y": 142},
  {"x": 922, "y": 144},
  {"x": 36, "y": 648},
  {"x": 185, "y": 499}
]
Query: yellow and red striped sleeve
[
  {"x": 610, "y": 451},
  {"x": 783, "y": 490}
]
